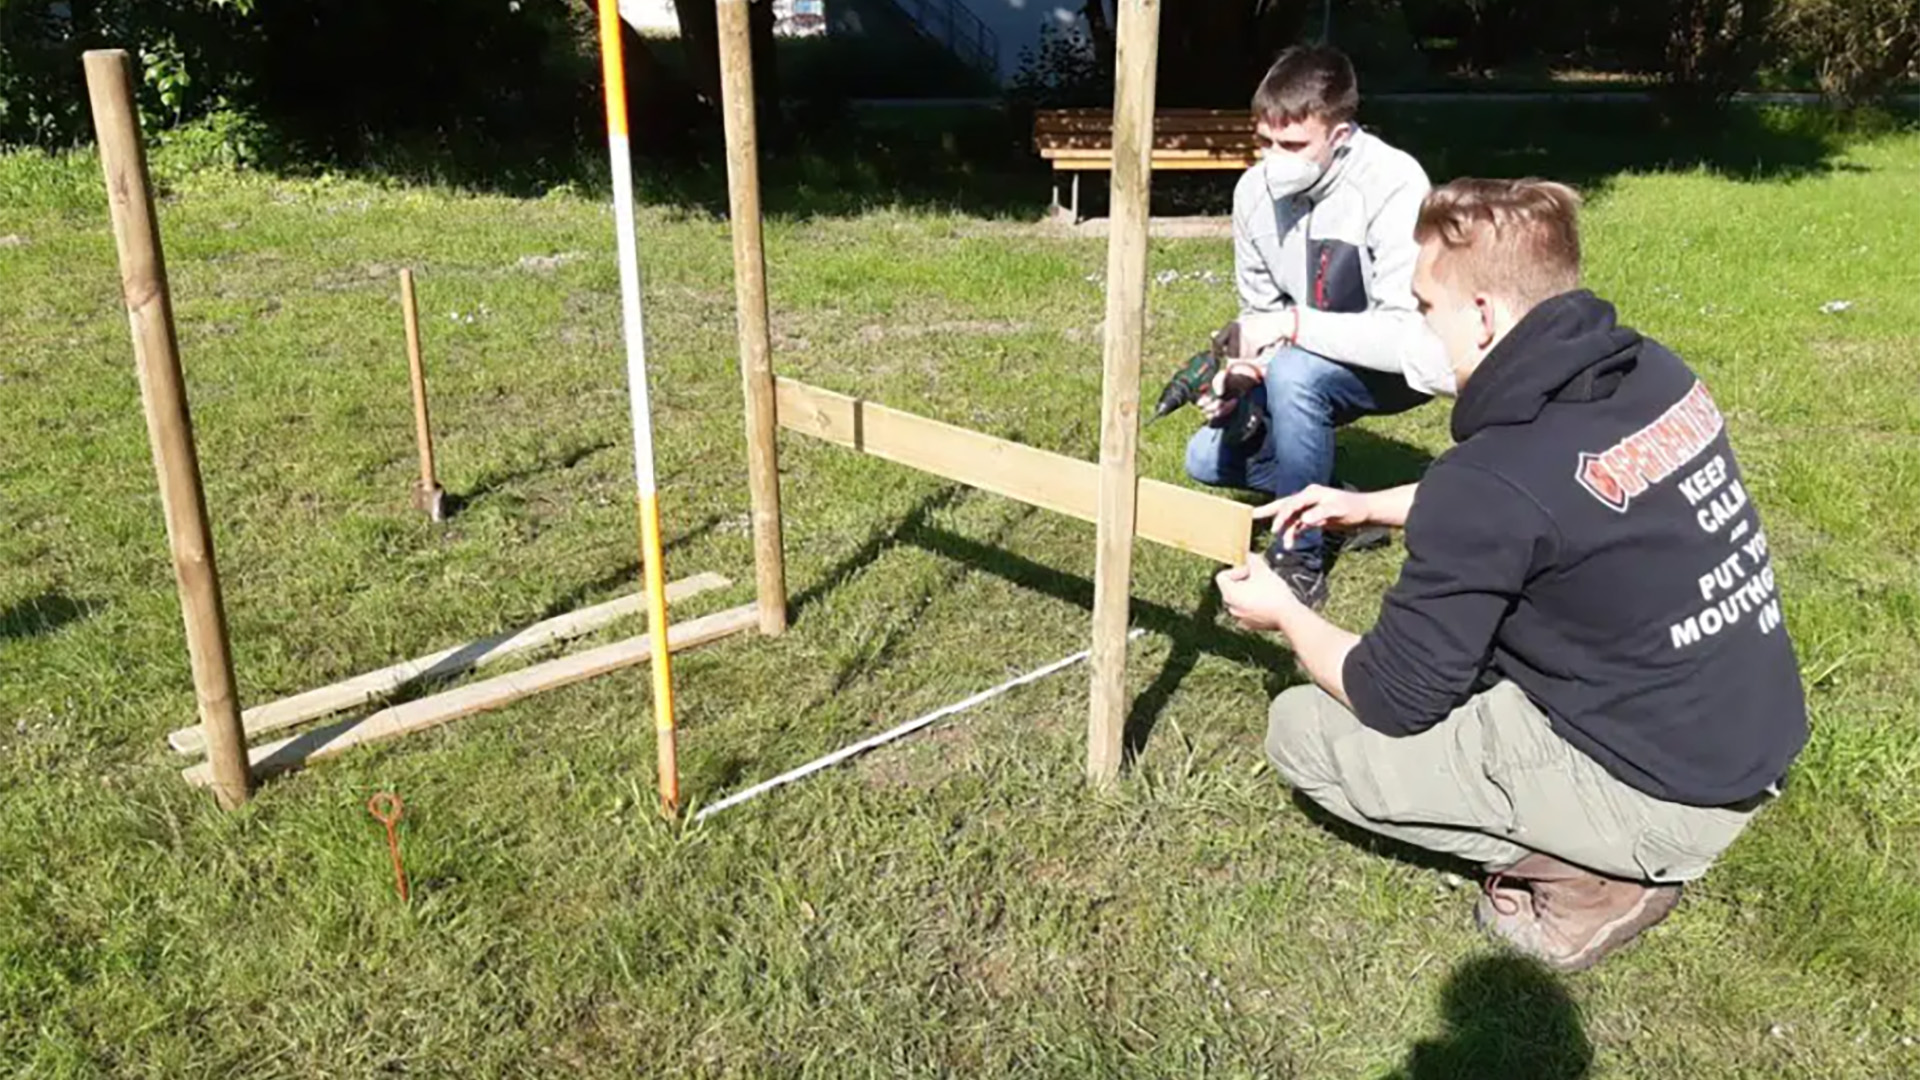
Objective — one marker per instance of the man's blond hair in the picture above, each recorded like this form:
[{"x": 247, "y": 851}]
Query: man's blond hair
[{"x": 1517, "y": 239}]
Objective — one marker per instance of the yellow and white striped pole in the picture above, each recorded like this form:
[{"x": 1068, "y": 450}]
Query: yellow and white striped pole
[{"x": 614, "y": 72}]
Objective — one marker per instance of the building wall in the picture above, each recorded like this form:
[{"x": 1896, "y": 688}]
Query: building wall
[{"x": 793, "y": 17}]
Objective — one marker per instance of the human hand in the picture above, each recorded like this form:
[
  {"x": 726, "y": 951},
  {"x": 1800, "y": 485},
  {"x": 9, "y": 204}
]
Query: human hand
[
  {"x": 1249, "y": 335},
  {"x": 1314, "y": 507},
  {"x": 1255, "y": 596},
  {"x": 1231, "y": 381}
]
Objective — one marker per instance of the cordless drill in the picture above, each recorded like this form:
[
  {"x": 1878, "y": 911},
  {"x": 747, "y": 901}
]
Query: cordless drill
[{"x": 1245, "y": 426}]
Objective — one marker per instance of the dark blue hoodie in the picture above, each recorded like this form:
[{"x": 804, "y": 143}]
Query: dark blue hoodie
[{"x": 1590, "y": 538}]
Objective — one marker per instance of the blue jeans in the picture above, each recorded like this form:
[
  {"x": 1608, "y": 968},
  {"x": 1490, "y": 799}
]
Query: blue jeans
[{"x": 1305, "y": 398}]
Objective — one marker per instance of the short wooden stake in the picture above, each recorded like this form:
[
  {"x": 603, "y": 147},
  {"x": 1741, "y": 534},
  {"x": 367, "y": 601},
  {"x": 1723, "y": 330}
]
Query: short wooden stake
[
  {"x": 1136, "y": 59},
  {"x": 750, "y": 300},
  {"x": 143, "y": 283},
  {"x": 427, "y": 495}
]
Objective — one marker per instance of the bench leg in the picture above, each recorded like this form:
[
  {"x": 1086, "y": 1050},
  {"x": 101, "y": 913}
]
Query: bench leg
[{"x": 1076, "y": 198}]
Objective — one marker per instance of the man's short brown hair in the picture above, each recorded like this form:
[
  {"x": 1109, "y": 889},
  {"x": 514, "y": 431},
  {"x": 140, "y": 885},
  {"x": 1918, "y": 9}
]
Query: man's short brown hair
[
  {"x": 1308, "y": 80},
  {"x": 1518, "y": 239}
]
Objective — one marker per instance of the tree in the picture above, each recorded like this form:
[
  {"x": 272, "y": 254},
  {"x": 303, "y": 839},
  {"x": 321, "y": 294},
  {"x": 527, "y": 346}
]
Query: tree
[
  {"x": 1859, "y": 49},
  {"x": 1715, "y": 46},
  {"x": 700, "y": 38}
]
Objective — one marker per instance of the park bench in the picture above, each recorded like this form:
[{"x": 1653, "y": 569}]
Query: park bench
[{"x": 1081, "y": 140}]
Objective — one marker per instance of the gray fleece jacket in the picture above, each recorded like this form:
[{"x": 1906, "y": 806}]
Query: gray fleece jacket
[{"x": 1342, "y": 255}]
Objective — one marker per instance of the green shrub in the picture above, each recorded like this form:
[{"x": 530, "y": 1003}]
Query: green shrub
[{"x": 1859, "y": 51}]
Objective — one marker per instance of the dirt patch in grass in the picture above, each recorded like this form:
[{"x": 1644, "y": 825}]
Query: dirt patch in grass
[{"x": 920, "y": 760}]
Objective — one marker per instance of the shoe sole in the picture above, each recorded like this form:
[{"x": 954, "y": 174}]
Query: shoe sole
[{"x": 1653, "y": 909}]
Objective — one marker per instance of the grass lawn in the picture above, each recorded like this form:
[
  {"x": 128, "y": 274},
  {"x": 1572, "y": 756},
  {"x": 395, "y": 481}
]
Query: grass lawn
[{"x": 956, "y": 904}]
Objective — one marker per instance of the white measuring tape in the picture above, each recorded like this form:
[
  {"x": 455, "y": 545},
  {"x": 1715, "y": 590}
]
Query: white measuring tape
[{"x": 891, "y": 734}]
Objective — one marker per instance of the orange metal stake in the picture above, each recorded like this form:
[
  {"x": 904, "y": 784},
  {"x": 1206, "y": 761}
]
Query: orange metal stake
[{"x": 387, "y": 809}]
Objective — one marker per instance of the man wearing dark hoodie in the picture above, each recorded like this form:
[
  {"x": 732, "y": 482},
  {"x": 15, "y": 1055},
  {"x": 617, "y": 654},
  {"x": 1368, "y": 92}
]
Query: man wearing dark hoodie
[{"x": 1581, "y": 679}]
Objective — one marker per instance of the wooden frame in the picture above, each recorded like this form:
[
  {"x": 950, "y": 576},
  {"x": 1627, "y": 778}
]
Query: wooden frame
[{"x": 1109, "y": 493}]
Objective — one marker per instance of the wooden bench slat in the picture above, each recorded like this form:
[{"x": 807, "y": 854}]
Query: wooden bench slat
[
  {"x": 1184, "y": 144},
  {"x": 1081, "y": 140}
]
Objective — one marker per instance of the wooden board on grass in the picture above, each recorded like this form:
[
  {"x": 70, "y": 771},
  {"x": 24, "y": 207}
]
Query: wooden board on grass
[
  {"x": 333, "y": 740},
  {"x": 361, "y": 689}
]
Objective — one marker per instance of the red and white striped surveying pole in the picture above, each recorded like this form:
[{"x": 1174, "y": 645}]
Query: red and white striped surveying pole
[{"x": 614, "y": 71}]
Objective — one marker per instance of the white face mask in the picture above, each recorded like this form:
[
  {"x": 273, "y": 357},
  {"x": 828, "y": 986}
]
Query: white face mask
[{"x": 1288, "y": 175}]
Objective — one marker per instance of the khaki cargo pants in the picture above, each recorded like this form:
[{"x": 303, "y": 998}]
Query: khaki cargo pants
[{"x": 1490, "y": 783}]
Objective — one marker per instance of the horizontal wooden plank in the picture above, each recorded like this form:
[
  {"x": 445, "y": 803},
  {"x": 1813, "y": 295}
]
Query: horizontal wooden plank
[
  {"x": 1183, "y": 148},
  {"x": 1052, "y": 130},
  {"x": 336, "y": 739},
  {"x": 1161, "y": 132},
  {"x": 455, "y": 660},
  {"x": 1193, "y": 521},
  {"x": 1220, "y": 154}
]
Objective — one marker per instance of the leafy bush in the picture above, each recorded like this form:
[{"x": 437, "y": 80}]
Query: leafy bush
[
  {"x": 184, "y": 51},
  {"x": 339, "y": 78},
  {"x": 1714, "y": 47},
  {"x": 1859, "y": 51},
  {"x": 1064, "y": 71}
]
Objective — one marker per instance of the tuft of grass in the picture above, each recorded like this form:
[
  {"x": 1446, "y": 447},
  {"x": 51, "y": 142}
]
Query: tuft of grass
[{"x": 957, "y": 903}]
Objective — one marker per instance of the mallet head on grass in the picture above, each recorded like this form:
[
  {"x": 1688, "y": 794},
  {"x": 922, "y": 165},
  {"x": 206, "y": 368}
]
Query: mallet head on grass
[{"x": 430, "y": 499}]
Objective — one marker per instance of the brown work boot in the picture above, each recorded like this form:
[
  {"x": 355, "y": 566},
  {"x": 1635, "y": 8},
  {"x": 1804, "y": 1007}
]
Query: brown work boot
[{"x": 1567, "y": 917}]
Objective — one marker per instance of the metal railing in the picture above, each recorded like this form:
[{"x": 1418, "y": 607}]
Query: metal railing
[{"x": 953, "y": 24}]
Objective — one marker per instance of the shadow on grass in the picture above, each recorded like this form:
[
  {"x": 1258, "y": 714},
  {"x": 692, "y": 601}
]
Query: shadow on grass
[
  {"x": 1589, "y": 144},
  {"x": 1191, "y": 633},
  {"x": 461, "y": 662},
  {"x": 1505, "y": 1016},
  {"x": 877, "y": 544},
  {"x": 40, "y": 615},
  {"x": 627, "y": 574},
  {"x": 491, "y": 482},
  {"x": 1151, "y": 702},
  {"x": 1384, "y": 846},
  {"x": 1373, "y": 462}
]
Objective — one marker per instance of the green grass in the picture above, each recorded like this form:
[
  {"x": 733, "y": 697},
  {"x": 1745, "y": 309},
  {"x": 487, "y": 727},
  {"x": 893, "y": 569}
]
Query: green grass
[{"x": 956, "y": 904}]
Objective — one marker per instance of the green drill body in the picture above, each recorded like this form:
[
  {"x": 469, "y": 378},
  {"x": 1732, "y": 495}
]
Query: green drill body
[{"x": 1194, "y": 378}]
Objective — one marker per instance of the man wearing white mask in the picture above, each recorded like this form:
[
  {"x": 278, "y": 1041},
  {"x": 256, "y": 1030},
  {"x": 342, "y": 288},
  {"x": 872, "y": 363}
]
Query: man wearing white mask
[{"x": 1327, "y": 331}]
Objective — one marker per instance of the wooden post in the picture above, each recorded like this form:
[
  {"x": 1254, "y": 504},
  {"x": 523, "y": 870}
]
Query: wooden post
[
  {"x": 143, "y": 283},
  {"x": 427, "y": 495},
  {"x": 1135, "y": 60},
  {"x": 750, "y": 303}
]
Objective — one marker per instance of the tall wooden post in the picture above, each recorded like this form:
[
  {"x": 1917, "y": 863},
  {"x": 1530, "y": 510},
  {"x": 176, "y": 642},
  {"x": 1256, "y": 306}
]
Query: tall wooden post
[
  {"x": 143, "y": 283},
  {"x": 750, "y": 303},
  {"x": 1136, "y": 57}
]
